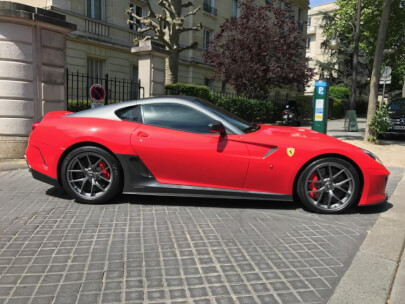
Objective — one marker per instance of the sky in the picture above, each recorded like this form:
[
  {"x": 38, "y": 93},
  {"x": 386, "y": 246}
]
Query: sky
[{"x": 317, "y": 2}]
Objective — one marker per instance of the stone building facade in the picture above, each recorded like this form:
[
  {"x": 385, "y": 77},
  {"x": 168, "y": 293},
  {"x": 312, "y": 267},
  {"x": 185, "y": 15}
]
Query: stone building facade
[
  {"x": 315, "y": 37},
  {"x": 32, "y": 71},
  {"x": 103, "y": 40}
]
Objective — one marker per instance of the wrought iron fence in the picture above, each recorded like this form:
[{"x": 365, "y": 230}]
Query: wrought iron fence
[{"x": 117, "y": 90}]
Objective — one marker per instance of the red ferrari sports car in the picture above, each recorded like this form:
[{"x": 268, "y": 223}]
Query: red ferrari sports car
[{"x": 185, "y": 146}]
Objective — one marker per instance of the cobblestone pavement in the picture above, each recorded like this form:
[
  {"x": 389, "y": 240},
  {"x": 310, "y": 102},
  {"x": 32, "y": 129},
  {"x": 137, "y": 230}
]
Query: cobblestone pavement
[{"x": 170, "y": 250}]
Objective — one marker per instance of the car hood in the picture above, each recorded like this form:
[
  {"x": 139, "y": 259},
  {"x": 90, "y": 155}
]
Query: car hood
[
  {"x": 287, "y": 136},
  {"x": 291, "y": 132}
]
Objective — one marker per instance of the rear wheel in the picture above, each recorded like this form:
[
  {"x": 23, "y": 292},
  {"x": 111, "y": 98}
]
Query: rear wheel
[
  {"x": 91, "y": 175},
  {"x": 329, "y": 185}
]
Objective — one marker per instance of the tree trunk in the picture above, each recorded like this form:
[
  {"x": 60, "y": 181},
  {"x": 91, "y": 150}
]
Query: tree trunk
[
  {"x": 352, "y": 103},
  {"x": 378, "y": 57},
  {"x": 172, "y": 68},
  {"x": 403, "y": 89}
]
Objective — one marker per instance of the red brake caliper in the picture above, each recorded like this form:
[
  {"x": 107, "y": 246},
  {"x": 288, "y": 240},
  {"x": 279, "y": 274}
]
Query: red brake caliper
[
  {"x": 313, "y": 185},
  {"x": 106, "y": 174}
]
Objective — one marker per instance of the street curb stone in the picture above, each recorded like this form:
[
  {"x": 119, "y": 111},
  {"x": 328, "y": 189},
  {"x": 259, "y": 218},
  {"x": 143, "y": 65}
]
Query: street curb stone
[
  {"x": 12, "y": 164},
  {"x": 397, "y": 293},
  {"x": 370, "y": 276}
]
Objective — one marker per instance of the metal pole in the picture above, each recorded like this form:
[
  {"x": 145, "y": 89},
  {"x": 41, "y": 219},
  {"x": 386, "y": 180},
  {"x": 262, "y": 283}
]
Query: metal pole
[
  {"x": 382, "y": 99},
  {"x": 106, "y": 89},
  {"x": 67, "y": 89}
]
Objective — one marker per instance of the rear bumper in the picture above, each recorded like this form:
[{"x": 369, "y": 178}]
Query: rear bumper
[{"x": 44, "y": 178}]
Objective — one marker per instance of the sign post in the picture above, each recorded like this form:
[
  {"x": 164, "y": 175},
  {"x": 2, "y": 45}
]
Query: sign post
[
  {"x": 320, "y": 106},
  {"x": 385, "y": 79},
  {"x": 97, "y": 94}
]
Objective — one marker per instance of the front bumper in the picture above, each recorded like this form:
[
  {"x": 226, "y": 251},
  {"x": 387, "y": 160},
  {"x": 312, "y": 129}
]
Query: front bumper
[{"x": 375, "y": 183}]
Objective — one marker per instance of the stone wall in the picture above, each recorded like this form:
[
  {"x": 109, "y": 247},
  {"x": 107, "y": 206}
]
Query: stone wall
[{"x": 32, "y": 71}]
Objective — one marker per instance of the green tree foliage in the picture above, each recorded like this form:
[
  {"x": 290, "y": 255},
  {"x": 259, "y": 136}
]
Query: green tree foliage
[
  {"x": 340, "y": 26},
  {"x": 380, "y": 124}
]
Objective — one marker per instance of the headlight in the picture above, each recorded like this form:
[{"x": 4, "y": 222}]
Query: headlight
[{"x": 372, "y": 155}]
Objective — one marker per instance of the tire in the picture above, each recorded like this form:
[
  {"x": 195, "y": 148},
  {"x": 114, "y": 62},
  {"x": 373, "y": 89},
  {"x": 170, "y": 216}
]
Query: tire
[
  {"x": 324, "y": 192},
  {"x": 91, "y": 175}
]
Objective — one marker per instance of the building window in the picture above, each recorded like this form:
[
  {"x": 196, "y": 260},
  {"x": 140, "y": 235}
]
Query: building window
[
  {"x": 209, "y": 7},
  {"x": 95, "y": 68},
  {"x": 223, "y": 87},
  {"x": 208, "y": 35},
  {"x": 94, "y": 9},
  {"x": 235, "y": 9},
  {"x": 209, "y": 83},
  {"x": 308, "y": 43},
  {"x": 139, "y": 11},
  {"x": 309, "y": 21}
]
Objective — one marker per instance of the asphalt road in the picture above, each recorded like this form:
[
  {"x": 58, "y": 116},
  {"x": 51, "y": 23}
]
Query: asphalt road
[{"x": 169, "y": 250}]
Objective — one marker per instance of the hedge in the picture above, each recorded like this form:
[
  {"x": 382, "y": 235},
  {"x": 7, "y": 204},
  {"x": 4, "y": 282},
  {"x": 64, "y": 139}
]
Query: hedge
[
  {"x": 188, "y": 90},
  {"x": 249, "y": 109},
  {"x": 339, "y": 108},
  {"x": 255, "y": 110},
  {"x": 339, "y": 92}
]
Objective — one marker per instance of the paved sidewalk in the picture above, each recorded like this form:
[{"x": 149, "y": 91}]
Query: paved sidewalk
[
  {"x": 165, "y": 250},
  {"x": 377, "y": 273}
]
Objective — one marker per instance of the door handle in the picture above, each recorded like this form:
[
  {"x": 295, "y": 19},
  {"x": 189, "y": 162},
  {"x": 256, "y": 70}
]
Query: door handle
[{"x": 142, "y": 134}]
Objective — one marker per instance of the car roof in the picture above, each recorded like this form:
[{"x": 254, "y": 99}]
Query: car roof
[{"x": 108, "y": 111}]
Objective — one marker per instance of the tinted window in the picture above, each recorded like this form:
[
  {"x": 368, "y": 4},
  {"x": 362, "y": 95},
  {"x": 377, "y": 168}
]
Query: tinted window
[
  {"x": 232, "y": 119},
  {"x": 176, "y": 116},
  {"x": 130, "y": 114}
]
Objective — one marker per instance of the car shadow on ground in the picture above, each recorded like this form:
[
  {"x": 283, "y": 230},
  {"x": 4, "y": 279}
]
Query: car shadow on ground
[
  {"x": 392, "y": 140},
  {"x": 171, "y": 201}
]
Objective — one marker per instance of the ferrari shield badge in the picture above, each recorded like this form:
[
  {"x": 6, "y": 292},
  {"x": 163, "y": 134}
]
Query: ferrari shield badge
[{"x": 290, "y": 152}]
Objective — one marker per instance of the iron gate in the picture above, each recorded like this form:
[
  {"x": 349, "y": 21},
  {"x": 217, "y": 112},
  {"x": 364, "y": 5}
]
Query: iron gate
[{"x": 117, "y": 90}]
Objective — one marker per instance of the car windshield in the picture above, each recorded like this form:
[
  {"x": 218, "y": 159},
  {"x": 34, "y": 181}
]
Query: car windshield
[
  {"x": 232, "y": 119},
  {"x": 397, "y": 105}
]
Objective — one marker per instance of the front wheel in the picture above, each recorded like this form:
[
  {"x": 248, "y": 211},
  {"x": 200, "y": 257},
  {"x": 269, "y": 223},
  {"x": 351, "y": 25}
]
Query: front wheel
[
  {"x": 91, "y": 175},
  {"x": 329, "y": 185}
]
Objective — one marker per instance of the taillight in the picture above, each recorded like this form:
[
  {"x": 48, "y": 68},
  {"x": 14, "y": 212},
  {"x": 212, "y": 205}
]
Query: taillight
[{"x": 34, "y": 125}]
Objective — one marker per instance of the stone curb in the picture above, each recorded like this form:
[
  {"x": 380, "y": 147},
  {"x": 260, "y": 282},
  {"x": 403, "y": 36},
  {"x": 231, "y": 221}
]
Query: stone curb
[
  {"x": 370, "y": 276},
  {"x": 12, "y": 164}
]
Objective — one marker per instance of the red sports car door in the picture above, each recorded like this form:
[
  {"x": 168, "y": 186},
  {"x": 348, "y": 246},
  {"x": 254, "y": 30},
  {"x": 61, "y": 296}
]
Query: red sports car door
[{"x": 180, "y": 157}]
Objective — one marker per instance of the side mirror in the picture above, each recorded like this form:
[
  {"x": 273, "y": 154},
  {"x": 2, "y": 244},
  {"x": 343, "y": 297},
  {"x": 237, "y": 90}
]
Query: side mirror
[{"x": 216, "y": 127}]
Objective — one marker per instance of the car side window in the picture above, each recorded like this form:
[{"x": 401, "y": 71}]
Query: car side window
[
  {"x": 130, "y": 114},
  {"x": 176, "y": 116}
]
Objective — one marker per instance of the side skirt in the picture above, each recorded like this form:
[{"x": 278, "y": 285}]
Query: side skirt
[{"x": 139, "y": 180}]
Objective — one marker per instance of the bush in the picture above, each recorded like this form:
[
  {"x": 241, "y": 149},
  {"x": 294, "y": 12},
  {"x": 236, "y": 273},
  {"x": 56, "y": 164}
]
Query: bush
[
  {"x": 304, "y": 106},
  {"x": 249, "y": 109},
  {"x": 380, "y": 124},
  {"x": 339, "y": 92},
  {"x": 188, "y": 90},
  {"x": 339, "y": 108}
]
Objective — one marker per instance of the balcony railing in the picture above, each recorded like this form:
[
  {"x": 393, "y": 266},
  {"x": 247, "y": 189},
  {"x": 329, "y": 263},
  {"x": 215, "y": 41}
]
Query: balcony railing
[
  {"x": 97, "y": 28},
  {"x": 209, "y": 8}
]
